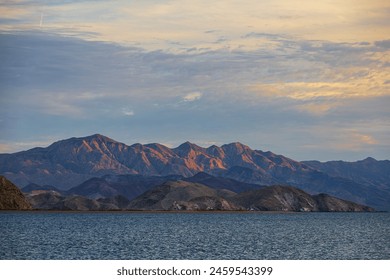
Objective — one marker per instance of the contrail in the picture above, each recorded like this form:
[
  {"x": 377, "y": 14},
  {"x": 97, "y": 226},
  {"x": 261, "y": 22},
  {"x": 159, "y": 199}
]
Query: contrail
[{"x": 41, "y": 22}]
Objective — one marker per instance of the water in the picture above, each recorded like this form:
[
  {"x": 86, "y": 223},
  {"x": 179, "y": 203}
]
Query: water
[{"x": 297, "y": 236}]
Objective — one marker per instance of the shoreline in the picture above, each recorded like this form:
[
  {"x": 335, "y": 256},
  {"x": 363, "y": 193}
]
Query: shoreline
[{"x": 180, "y": 211}]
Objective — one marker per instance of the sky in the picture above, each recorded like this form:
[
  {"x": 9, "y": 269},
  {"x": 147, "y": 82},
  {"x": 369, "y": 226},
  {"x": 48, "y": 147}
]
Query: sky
[{"x": 306, "y": 79}]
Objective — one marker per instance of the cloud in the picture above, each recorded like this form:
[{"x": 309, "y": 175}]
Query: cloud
[
  {"x": 12, "y": 12},
  {"x": 326, "y": 90},
  {"x": 21, "y": 146},
  {"x": 365, "y": 139},
  {"x": 192, "y": 97},
  {"x": 316, "y": 109},
  {"x": 385, "y": 44},
  {"x": 128, "y": 112},
  {"x": 285, "y": 90},
  {"x": 353, "y": 140},
  {"x": 370, "y": 85},
  {"x": 155, "y": 24}
]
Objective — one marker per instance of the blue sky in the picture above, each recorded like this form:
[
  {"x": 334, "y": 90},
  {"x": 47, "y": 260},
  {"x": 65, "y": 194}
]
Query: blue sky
[{"x": 303, "y": 79}]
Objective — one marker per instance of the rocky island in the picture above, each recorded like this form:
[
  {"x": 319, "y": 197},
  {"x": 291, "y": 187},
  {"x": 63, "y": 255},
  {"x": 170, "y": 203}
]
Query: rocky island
[{"x": 179, "y": 195}]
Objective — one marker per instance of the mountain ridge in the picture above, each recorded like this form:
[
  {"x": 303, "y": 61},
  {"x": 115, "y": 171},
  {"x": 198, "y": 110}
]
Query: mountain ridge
[
  {"x": 70, "y": 162},
  {"x": 368, "y": 171},
  {"x": 100, "y": 155}
]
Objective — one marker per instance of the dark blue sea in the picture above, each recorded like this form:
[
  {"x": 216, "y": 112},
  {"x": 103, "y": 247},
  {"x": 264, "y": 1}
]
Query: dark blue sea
[{"x": 124, "y": 235}]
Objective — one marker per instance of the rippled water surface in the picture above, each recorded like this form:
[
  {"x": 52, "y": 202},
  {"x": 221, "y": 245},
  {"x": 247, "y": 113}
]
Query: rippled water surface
[{"x": 46, "y": 235}]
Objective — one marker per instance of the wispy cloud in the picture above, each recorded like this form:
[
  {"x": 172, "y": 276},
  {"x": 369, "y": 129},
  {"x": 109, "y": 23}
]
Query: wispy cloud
[
  {"x": 319, "y": 97},
  {"x": 193, "y": 96},
  {"x": 155, "y": 24},
  {"x": 127, "y": 112},
  {"x": 21, "y": 146},
  {"x": 353, "y": 140}
]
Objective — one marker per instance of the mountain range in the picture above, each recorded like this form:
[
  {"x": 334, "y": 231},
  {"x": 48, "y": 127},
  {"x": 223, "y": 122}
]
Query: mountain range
[{"x": 100, "y": 161}]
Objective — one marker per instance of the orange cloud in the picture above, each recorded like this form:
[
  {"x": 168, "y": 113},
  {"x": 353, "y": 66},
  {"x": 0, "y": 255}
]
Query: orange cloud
[
  {"x": 318, "y": 98},
  {"x": 154, "y": 25}
]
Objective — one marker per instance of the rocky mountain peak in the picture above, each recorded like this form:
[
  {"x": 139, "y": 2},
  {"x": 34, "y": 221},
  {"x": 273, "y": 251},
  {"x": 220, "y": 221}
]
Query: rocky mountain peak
[
  {"x": 235, "y": 147},
  {"x": 216, "y": 151},
  {"x": 88, "y": 143},
  {"x": 188, "y": 145},
  {"x": 188, "y": 149},
  {"x": 369, "y": 160},
  {"x": 99, "y": 137}
]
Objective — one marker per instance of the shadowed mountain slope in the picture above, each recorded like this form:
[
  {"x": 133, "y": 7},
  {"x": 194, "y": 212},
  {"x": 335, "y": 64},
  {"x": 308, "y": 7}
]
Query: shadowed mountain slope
[
  {"x": 51, "y": 200},
  {"x": 286, "y": 198},
  {"x": 369, "y": 172},
  {"x": 11, "y": 198},
  {"x": 181, "y": 195},
  {"x": 129, "y": 186}
]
